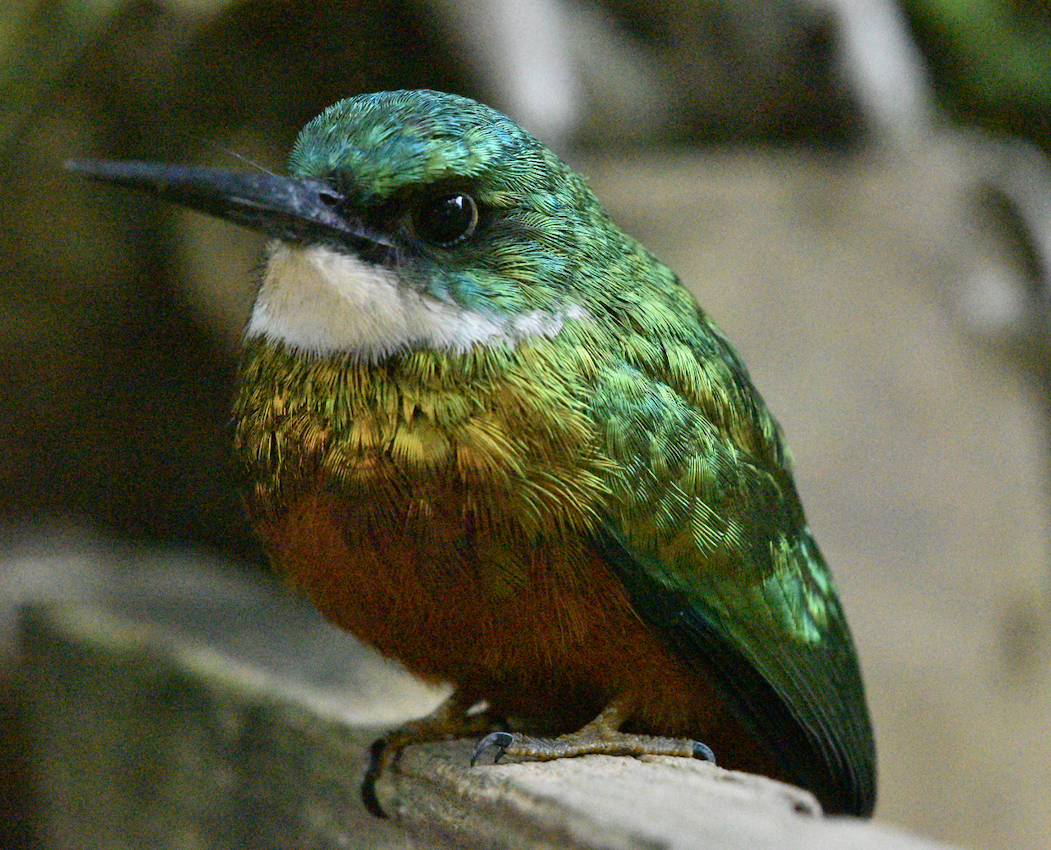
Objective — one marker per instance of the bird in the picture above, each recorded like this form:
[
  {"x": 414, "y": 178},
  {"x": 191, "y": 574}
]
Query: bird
[{"x": 491, "y": 435}]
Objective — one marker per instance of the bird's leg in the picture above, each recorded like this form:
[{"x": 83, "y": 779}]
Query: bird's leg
[
  {"x": 602, "y": 736},
  {"x": 448, "y": 720}
]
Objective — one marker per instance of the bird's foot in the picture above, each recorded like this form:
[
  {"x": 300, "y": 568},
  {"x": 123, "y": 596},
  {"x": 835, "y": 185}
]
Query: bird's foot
[
  {"x": 448, "y": 720},
  {"x": 602, "y": 736},
  {"x": 586, "y": 742}
]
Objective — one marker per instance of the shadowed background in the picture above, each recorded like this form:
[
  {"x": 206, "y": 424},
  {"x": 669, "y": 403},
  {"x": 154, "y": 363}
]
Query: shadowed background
[{"x": 833, "y": 180}]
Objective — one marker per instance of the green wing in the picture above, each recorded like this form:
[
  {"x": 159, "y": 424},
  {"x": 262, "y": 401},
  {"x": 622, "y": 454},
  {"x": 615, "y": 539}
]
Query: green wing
[{"x": 712, "y": 544}]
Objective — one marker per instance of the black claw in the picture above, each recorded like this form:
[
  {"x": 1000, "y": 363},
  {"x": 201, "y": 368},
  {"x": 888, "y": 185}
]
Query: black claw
[
  {"x": 703, "y": 751},
  {"x": 498, "y": 740},
  {"x": 368, "y": 786}
]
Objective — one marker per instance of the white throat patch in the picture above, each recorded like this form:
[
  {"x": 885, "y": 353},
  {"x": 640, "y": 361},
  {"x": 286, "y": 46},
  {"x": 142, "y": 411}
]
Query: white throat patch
[{"x": 319, "y": 300}]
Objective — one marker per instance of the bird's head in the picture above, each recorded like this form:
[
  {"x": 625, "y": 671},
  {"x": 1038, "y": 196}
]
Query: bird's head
[{"x": 409, "y": 219}]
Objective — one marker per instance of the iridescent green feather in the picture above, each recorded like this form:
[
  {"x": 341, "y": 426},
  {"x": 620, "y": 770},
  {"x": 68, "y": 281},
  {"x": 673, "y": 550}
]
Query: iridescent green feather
[{"x": 708, "y": 534}]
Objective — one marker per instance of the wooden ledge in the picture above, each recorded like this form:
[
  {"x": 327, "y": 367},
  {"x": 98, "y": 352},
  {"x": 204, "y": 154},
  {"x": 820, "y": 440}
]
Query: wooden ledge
[{"x": 146, "y": 736}]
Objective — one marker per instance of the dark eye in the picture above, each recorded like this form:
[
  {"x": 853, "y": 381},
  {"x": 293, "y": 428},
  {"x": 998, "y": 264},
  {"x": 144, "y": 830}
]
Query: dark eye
[{"x": 446, "y": 219}]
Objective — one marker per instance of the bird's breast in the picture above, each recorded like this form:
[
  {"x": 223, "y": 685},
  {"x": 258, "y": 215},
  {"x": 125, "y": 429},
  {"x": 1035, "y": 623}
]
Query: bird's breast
[{"x": 415, "y": 509}]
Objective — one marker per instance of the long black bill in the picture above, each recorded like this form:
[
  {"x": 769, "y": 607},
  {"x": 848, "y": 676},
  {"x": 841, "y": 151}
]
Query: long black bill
[{"x": 295, "y": 210}]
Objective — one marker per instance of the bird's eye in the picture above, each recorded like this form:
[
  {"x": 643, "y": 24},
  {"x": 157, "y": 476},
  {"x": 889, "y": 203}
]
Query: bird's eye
[{"x": 446, "y": 219}]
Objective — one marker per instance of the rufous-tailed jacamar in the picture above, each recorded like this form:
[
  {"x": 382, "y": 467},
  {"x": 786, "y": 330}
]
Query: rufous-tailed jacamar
[{"x": 491, "y": 435}]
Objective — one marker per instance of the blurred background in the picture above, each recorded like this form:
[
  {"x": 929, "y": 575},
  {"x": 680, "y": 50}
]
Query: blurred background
[{"x": 857, "y": 190}]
